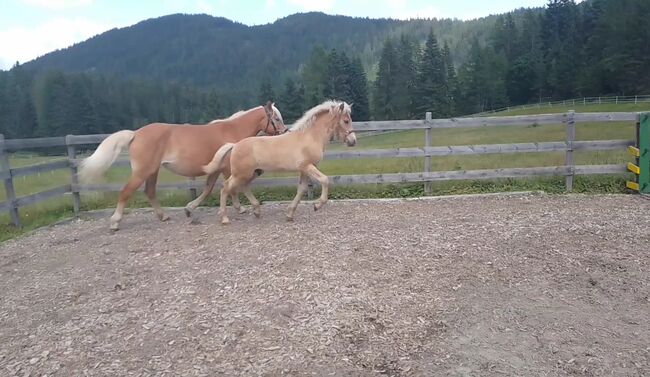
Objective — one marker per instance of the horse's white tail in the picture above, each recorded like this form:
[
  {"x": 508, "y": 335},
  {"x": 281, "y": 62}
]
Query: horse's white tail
[
  {"x": 214, "y": 165},
  {"x": 93, "y": 167}
]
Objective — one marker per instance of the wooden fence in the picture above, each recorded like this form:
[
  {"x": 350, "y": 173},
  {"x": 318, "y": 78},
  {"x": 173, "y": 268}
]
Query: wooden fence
[{"x": 428, "y": 125}]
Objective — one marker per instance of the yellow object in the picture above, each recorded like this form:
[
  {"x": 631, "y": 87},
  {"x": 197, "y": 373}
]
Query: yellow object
[
  {"x": 632, "y": 185},
  {"x": 634, "y": 151},
  {"x": 633, "y": 168}
]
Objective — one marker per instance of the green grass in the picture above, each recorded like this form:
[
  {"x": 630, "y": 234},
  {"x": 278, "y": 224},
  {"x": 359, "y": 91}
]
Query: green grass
[
  {"x": 46, "y": 213},
  {"x": 579, "y": 108}
]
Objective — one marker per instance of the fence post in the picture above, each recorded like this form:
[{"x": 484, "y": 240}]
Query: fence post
[
  {"x": 617, "y": 100},
  {"x": 192, "y": 190},
  {"x": 635, "y": 99},
  {"x": 427, "y": 143},
  {"x": 9, "y": 183},
  {"x": 643, "y": 140},
  {"x": 570, "y": 138},
  {"x": 74, "y": 180}
]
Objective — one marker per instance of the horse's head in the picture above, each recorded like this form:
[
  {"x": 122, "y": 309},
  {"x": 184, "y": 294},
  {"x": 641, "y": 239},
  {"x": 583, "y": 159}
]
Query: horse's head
[
  {"x": 273, "y": 123},
  {"x": 343, "y": 124}
]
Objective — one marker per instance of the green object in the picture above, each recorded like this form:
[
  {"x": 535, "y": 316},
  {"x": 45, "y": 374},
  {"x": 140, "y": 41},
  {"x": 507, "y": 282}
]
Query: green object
[{"x": 644, "y": 153}]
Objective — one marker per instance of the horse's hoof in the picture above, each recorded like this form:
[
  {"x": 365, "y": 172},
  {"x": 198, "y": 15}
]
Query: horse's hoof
[
  {"x": 225, "y": 221},
  {"x": 316, "y": 207},
  {"x": 164, "y": 217},
  {"x": 257, "y": 214},
  {"x": 115, "y": 227},
  {"x": 242, "y": 211},
  {"x": 188, "y": 212},
  {"x": 289, "y": 218}
]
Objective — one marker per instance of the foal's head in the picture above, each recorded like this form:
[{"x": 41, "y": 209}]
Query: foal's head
[
  {"x": 272, "y": 124},
  {"x": 343, "y": 124}
]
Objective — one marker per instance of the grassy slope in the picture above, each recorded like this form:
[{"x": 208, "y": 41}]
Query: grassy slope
[{"x": 45, "y": 213}]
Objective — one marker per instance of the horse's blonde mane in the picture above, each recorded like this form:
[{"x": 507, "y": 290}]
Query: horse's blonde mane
[{"x": 308, "y": 118}]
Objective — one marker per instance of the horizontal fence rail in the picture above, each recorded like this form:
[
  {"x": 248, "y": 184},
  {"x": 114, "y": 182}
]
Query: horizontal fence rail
[
  {"x": 572, "y": 102},
  {"x": 569, "y": 170}
]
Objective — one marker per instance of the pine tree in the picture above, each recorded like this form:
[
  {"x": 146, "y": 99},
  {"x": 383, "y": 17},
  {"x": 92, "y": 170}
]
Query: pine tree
[
  {"x": 383, "y": 101},
  {"x": 430, "y": 85},
  {"x": 451, "y": 82},
  {"x": 405, "y": 76},
  {"x": 314, "y": 77},
  {"x": 291, "y": 102},
  {"x": 359, "y": 91},
  {"x": 266, "y": 92}
]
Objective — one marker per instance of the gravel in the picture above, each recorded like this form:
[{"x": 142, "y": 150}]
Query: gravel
[{"x": 465, "y": 286}]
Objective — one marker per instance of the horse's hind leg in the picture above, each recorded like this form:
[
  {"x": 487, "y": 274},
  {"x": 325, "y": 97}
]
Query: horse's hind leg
[
  {"x": 126, "y": 193},
  {"x": 150, "y": 191},
  {"x": 207, "y": 189},
  {"x": 302, "y": 187}
]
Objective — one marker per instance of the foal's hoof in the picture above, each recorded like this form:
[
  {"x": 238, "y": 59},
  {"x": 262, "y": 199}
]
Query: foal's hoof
[
  {"x": 164, "y": 217},
  {"x": 115, "y": 227},
  {"x": 225, "y": 221},
  {"x": 188, "y": 212},
  {"x": 257, "y": 215},
  {"x": 316, "y": 207},
  {"x": 289, "y": 218},
  {"x": 242, "y": 210}
]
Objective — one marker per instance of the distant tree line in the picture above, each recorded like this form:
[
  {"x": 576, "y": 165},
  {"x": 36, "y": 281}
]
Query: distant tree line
[{"x": 568, "y": 50}]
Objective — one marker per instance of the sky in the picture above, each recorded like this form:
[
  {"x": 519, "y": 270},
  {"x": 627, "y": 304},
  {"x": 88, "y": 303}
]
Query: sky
[{"x": 31, "y": 28}]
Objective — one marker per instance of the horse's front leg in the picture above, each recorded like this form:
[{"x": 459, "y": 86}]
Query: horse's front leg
[{"x": 316, "y": 174}]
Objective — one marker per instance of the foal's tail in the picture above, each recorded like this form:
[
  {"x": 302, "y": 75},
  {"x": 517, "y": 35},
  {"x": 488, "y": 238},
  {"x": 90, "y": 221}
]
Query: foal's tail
[
  {"x": 215, "y": 164},
  {"x": 93, "y": 167}
]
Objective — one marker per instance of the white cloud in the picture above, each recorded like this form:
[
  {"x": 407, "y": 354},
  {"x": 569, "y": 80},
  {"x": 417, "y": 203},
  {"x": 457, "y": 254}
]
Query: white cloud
[
  {"x": 313, "y": 5},
  {"x": 205, "y": 7},
  {"x": 58, "y": 4},
  {"x": 426, "y": 12},
  {"x": 26, "y": 43},
  {"x": 270, "y": 3}
]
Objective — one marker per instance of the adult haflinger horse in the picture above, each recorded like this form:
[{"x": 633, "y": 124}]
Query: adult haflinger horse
[
  {"x": 298, "y": 150},
  {"x": 183, "y": 149}
]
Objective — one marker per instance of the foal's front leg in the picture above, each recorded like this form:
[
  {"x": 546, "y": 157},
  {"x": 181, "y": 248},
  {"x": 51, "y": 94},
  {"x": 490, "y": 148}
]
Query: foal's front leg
[
  {"x": 316, "y": 174},
  {"x": 302, "y": 187}
]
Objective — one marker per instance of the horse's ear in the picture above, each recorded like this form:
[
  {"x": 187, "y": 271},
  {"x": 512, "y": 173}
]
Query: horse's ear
[
  {"x": 269, "y": 106},
  {"x": 342, "y": 107}
]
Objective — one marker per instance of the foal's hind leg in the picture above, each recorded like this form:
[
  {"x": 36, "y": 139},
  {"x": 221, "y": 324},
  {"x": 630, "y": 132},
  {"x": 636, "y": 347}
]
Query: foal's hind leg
[
  {"x": 254, "y": 202},
  {"x": 230, "y": 186},
  {"x": 128, "y": 190},
  {"x": 150, "y": 191}
]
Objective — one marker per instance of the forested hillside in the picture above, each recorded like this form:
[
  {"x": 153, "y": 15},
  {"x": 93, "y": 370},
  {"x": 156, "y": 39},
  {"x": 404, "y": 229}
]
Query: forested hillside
[{"x": 194, "y": 68}]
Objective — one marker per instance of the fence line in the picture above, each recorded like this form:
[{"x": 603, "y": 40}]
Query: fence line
[
  {"x": 569, "y": 170},
  {"x": 572, "y": 102}
]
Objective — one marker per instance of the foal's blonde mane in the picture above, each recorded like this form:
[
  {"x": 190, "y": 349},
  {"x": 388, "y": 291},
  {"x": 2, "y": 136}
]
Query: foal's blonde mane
[{"x": 309, "y": 117}]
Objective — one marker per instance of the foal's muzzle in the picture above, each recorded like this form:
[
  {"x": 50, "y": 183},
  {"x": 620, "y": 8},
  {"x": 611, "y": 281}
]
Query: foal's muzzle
[{"x": 351, "y": 139}]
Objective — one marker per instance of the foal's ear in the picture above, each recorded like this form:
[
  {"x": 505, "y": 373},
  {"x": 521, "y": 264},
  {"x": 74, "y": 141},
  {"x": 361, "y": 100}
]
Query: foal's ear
[
  {"x": 342, "y": 107},
  {"x": 269, "y": 107}
]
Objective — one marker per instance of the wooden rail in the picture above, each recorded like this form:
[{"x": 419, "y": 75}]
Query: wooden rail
[{"x": 72, "y": 142}]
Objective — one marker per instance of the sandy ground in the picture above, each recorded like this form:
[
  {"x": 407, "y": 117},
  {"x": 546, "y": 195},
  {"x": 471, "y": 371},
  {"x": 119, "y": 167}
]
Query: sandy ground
[{"x": 512, "y": 285}]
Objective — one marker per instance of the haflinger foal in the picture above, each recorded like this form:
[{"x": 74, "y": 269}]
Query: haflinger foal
[
  {"x": 182, "y": 149},
  {"x": 299, "y": 150}
]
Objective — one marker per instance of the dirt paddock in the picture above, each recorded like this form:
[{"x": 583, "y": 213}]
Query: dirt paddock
[{"x": 514, "y": 285}]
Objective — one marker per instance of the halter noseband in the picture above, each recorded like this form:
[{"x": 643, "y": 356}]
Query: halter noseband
[{"x": 269, "y": 120}]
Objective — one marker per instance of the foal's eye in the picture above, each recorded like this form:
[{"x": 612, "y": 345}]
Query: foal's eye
[{"x": 346, "y": 121}]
